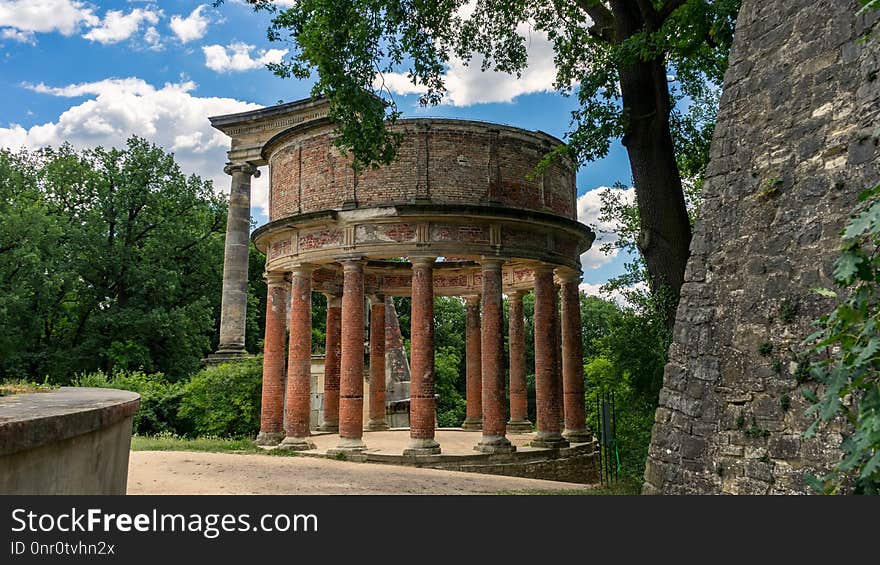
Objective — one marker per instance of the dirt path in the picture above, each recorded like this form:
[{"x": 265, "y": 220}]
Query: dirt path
[{"x": 178, "y": 472}]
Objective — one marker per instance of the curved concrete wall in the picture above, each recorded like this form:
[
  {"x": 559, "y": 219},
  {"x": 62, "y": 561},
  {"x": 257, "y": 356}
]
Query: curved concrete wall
[{"x": 68, "y": 441}]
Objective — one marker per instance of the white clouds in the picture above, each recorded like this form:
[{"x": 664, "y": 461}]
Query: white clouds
[
  {"x": 588, "y": 209},
  {"x": 18, "y": 35},
  {"x": 170, "y": 116},
  {"x": 467, "y": 84},
  {"x": 117, "y": 26},
  {"x": 191, "y": 27},
  {"x": 236, "y": 57},
  {"x": 27, "y": 17},
  {"x": 615, "y": 296}
]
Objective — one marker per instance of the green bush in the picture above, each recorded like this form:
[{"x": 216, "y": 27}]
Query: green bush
[
  {"x": 452, "y": 407},
  {"x": 223, "y": 400},
  {"x": 159, "y": 398}
]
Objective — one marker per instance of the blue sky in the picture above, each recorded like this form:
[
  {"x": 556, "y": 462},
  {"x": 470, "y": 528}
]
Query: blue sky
[{"x": 93, "y": 73}]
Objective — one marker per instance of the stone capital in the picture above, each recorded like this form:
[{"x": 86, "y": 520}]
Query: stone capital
[
  {"x": 334, "y": 299},
  {"x": 302, "y": 270},
  {"x": 422, "y": 260},
  {"x": 516, "y": 295},
  {"x": 472, "y": 300},
  {"x": 377, "y": 299},
  {"x": 491, "y": 263},
  {"x": 568, "y": 275},
  {"x": 246, "y": 168},
  {"x": 275, "y": 278},
  {"x": 352, "y": 263}
]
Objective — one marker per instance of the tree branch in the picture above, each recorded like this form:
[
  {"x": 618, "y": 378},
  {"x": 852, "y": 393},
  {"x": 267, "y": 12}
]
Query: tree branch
[{"x": 603, "y": 19}]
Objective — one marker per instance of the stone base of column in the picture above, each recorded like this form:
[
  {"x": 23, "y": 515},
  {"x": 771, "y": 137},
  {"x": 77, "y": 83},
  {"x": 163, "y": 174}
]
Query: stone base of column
[
  {"x": 225, "y": 356},
  {"x": 269, "y": 438},
  {"x": 422, "y": 447},
  {"x": 519, "y": 427},
  {"x": 578, "y": 436},
  {"x": 553, "y": 440},
  {"x": 377, "y": 425},
  {"x": 495, "y": 444},
  {"x": 332, "y": 427},
  {"x": 348, "y": 445},
  {"x": 296, "y": 444},
  {"x": 472, "y": 425}
]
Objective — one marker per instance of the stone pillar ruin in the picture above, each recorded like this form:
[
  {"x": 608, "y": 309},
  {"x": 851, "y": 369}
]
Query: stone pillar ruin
[
  {"x": 473, "y": 366},
  {"x": 272, "y": 396},
  {"x": 233, "y": 309}
]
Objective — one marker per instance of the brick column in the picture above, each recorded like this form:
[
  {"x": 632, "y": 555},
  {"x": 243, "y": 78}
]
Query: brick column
[
  {"x": 473, "y": 361},
  {"x": 573, "y": 361},
  {"x": 422, "y": 403},
  {"x": 272, "y": 403},
  {"x": 557, "y": 351},
  {"x": 494, "y": 438},
  {"x": 332, "y": 353},
  {"x": 546, "y": 387},
  {"x": 351, "y": 373},
  {"x": 519, "y": 420},
  {"x": 299, "y": 361},
  {"x": 233, "y": 304},
  {"x": 377, "y": 364}
]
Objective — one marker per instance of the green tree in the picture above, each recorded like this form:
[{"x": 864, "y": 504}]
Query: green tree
[
  {"x": 113, "y": 262},
  {"x": 614, "y": 55}
]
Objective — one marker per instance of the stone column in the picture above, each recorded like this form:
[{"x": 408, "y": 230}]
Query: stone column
[
  {"x": 519, "y": 419},
  {"x": 351, "y": 373},
  {"x": 573, "y": 361},
  {"x": 546, "y": 387},
  {"x": 494, "y": 438},
  {"x": 473, "y": 361},
  {"x": 272, "y": 404},
  {"x": 332, "y": 352},
  {"x": 299, "y": 361},
  {"x": 377, "y": 364},
  {"x": 422, "y": 403},
  {"x": 235, "y": 263}
]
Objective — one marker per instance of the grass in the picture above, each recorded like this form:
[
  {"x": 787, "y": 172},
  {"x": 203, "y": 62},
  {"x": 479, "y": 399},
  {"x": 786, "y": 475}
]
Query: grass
[
  {"x": 207, "y": 444},
  {"x": 20, "y": 387}
]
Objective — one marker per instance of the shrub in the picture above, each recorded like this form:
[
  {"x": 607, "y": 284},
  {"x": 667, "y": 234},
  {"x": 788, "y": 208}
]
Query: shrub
[
  {"x": 223, "y": 400},
  {"x": 159, "y": 398},
  {"x": 452, "y": 407}
]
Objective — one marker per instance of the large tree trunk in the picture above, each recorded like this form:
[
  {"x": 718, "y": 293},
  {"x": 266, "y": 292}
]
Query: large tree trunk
[{"x": 665, "y": 235}]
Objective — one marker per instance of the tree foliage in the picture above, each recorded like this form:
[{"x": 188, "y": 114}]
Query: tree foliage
[
  {"x": 110, "y": 259},
  {"x": 614, "y": 56},
  {"x": 848, "y": 346}
]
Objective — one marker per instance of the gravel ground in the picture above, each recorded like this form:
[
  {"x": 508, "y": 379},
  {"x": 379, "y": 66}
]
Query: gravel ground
[{"x": 178, "y": 472}]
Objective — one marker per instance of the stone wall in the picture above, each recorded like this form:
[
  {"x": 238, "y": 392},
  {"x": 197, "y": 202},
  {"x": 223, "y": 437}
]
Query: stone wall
[
  {"x": 796, "y": 142},
  {"x": 67, "y": 441},
  {"x": 440, "y": 161}
]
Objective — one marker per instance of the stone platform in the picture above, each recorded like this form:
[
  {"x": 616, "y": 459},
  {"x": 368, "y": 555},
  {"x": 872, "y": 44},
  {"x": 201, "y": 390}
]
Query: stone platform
[{"x": 578, "y": 463}]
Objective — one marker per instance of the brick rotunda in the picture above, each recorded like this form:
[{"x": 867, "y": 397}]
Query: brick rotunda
[{"x": 459, "y": 213}]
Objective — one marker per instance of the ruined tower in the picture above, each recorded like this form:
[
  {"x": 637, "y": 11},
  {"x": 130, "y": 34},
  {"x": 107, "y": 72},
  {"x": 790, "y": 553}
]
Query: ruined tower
[{"x": 796, "y": 141}]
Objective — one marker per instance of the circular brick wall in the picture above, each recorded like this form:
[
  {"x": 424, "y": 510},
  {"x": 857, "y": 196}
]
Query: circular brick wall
[{"x": 440, "y": 161}]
